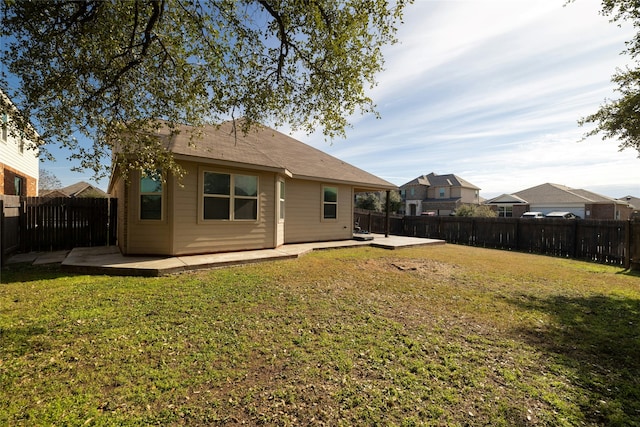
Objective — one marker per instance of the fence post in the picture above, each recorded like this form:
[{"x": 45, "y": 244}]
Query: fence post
[
  {"x": 634, "y": 243},
  {"x": 22, "y": 222},
  {"x": 574, "y": 246},
  {"x": 387, "y": 220},
  {"x": 626, "y": 262},
  {"x": 1, "y": 233}
]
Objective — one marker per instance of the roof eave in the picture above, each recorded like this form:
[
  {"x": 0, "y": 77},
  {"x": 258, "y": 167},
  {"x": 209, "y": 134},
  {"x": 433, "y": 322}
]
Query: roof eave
[
  {"x": 358, "y": 185},
  {"x": 233, "y": 164}
]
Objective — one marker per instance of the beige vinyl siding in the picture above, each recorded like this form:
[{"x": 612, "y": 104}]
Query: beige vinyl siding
[
  {"x": 148, "y": 237},
  {"x": 118, "y": 192},
  {"x": 304, "y": 222},
  {"x": 468, "y": 195},
  {"x": 192, "y": 235}
]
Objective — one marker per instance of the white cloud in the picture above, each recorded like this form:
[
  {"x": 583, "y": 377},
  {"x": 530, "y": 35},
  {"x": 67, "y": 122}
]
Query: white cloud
[{"x": 492, "y": 91}]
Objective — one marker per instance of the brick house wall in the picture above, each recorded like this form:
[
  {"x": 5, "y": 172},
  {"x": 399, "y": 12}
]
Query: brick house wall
[
  {"x": 518, "y": 210},
  {"x": 8, "y": 175},
  {"x": 608, "y": 211}
]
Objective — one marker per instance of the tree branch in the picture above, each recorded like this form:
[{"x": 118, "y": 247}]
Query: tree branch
[
  {"x": 284, "y": 42},
  {"x": 158, "y": 6}
]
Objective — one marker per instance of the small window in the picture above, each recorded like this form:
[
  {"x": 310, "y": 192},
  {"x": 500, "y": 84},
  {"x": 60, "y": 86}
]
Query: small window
[
  {"x": 230, "y": 197},
  {"x": 442, "y": 193},
  {"x": 330, "y": 203},
  {"x": 18, "y": 187},
  {"x": 151, "y": 196},
  {"x": 21, "y": 145},
  {"x": 281, "y": 198},
  {"x": 5, "y": 127}
]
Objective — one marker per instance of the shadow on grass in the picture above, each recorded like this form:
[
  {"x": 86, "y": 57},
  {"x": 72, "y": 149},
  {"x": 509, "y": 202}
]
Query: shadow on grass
[
  {"x": 596, "y": 342},
  {"x": 18, "y": 341},
  {"x": 25, "y": 272},
  {"x": 634, "y": 273}
]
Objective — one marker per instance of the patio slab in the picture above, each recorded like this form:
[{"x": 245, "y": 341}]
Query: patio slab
[{"x": 109, "y": 260}]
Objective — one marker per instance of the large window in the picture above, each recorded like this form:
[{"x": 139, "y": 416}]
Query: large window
[
  {"x": 230, "y": 197},
  {"x": 330, "y": 203},
  {"x": 151, "y": 196}
]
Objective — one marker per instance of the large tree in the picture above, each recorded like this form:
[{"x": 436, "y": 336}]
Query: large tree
[
  {"x": 619, "y": 119},
  {"x": 108, "y": 69}
]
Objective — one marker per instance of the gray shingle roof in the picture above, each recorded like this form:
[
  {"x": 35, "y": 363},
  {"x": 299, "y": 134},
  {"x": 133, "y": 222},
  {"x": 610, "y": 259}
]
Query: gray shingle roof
[
  {"x": 267, "y": 148},
  {"x": 78, "y": 188},
  {"x": 506, "y": 198},
  {"x": 556, "y": 193},
  {"x": 447, "y": 180}
]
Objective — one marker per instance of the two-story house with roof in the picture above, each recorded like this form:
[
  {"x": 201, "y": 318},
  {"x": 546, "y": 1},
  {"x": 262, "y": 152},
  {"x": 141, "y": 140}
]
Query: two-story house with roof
[
  {"x": 437, "y": 194},
  {"x": 19, "y": 166}
]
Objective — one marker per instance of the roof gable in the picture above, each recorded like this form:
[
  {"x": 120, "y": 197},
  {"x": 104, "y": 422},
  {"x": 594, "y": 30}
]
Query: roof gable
[
  {"x": 447, "y": 180},
  {"x": 264, "y": 147},
  {"x": 506, "y": 198},
  {"x": 81, "y": 189}
]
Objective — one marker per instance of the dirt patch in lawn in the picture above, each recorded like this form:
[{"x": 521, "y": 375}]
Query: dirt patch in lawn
[{"x": 425, "y": 267}]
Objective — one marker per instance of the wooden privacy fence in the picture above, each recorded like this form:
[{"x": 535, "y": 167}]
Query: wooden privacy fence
[
  {"x": 47, "y": 224},
  {"x": 607, "y": 242}
]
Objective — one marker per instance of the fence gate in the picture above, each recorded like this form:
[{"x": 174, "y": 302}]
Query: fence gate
[
  {"x": 9, "y": 224},
  {"x": 48, "y": 224}
]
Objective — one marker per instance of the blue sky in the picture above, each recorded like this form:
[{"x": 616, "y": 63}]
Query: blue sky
[{"x": 490, "y": 90}]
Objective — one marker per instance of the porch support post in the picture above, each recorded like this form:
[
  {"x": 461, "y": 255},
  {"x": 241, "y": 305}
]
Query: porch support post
[{"x": 387, "y": 222}]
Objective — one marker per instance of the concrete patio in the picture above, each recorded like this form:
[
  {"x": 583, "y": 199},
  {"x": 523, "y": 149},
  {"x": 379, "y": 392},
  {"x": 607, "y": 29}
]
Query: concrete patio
[{"x": 109, "y": 260}]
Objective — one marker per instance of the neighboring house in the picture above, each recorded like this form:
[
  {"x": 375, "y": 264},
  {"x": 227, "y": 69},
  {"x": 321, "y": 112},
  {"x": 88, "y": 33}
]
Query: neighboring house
[
  {"x": 633, "y": 201},
  {"x": 19, "y": 166},
  {"x": 240, "y": 192},
  {"x": 78, "y": 190},
  {"x": 549, "y": 197},
  {"x": 437, "y": 194}
]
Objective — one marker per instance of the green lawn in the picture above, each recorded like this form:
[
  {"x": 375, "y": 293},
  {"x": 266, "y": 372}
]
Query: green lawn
[{"x": 444, "y": 335}]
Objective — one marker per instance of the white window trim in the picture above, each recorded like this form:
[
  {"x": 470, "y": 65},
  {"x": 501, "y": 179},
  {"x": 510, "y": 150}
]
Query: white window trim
[
  {"x": 162, "y": 202},
  {"x": 231, "y": 197},
  {"x": 281, "y": 184},
  {"x": 323, "y": 202}
]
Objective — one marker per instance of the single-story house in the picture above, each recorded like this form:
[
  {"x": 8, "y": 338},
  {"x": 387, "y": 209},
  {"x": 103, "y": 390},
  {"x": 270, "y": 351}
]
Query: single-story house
[
  {"x": 240, "y": 192},
  {"x": 78, "y": 190},
  {"x": 550, "y": 197}
]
